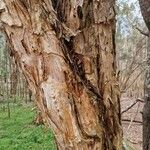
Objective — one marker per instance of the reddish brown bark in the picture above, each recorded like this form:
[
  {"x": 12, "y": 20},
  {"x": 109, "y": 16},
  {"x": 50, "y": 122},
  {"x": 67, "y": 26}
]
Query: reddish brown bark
[{"x": 66, "y": 50}]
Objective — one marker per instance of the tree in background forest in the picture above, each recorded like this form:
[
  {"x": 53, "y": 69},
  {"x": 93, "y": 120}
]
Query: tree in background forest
[
  {"x": 131, "y": 49},
  {"x": 145, "y": 9},
  {"x": 14, "y": 87},
  {"x": 66, "y": 50}
]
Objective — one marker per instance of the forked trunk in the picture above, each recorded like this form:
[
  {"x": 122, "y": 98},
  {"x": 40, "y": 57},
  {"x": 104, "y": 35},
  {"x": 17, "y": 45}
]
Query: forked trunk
[{"x": 66, "y": 50}]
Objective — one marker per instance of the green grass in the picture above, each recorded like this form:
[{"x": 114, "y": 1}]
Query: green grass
[{"x": 19, "y": 133}]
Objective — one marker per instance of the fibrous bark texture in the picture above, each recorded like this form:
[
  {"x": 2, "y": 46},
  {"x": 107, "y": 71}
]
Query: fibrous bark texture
[
  {"x": 146, "y": 109},
  {"x": 145, "y": 9},
  {"x": 66, "y": 50}
]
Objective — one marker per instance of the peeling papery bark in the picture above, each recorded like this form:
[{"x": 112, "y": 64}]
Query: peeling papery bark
[{"x": 66, "y": 51}]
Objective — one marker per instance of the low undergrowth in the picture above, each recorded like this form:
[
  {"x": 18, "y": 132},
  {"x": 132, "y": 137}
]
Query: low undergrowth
[{"x": 20, "y": 133}]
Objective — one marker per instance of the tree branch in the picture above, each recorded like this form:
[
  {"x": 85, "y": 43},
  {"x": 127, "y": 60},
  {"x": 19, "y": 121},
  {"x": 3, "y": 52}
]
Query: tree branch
[
  {"x": 129, "y": 120},
  {"x": 141, "y": 31},
  {"x": 128, "y": 108},
  {"x": 134, "y": 80}
]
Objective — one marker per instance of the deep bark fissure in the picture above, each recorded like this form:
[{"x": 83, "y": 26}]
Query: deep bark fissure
[
  {"x": 76, "y": 64},
  {"x": 75, "y": 61}
]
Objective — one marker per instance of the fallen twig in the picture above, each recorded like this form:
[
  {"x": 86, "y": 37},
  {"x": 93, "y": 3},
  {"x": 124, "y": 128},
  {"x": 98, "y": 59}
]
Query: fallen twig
[{"x": 129, "y": 120}]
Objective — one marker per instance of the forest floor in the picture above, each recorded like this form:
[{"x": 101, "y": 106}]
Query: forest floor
[
  {"x": 132, "y": 130},
  {"x": 20, "y": 133}
]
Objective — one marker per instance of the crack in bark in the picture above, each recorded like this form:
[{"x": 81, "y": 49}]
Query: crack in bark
[{"x": 75, "y": 63}]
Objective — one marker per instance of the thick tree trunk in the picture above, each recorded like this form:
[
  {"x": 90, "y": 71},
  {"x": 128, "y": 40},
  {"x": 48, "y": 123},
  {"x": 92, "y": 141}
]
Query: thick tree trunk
[
  {"x": 66, "y": 50},
  {"x": 145, "y": 9},
  {"x": 146, "y": 109}
]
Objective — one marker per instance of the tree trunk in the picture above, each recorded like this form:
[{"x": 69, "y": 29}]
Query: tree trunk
[
  {"x": 66, "y": 50},
  {"x": 13, "y": 79},
  {"x": 145, "y": 9},
  {"x": 146, "y": 109}
]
